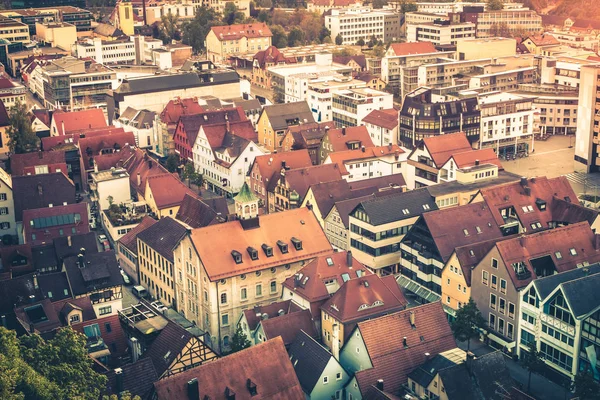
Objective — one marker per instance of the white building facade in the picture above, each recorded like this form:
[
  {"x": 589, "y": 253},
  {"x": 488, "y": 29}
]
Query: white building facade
[
  {"x": 363, "y": 23},
  {"x": 350, "y": 106}
]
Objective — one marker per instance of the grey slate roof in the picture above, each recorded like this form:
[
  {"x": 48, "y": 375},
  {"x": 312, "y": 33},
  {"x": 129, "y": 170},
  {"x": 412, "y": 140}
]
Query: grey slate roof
[
  {"x": 345, "y": 207},
  {"x": 424, "y": 374},
  {"x": 100, "y": 271},
  {"x": 54, "y": 286},
  {"x": 545, "y": 286},
  {"x": 390, "y": 208},
  {"x": 86, "y": 241},
  {"x": 199, "y": 213},
  {"x": 279, "y": 113},
  {"x": 138, "y": 378},
  {"x": 163, "y": 236},
  {"x": 38, "y": 191},
  {"x": 167, "y": 345},
  {"x": 162, "y": 83},
  {"x": 582, "y": 294},
  {"x": 312, "y": 359}
]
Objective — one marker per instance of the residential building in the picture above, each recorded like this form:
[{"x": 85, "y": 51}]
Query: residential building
[
  {"x": 106, "y": 343},
  {"x": 120, "y": 51},
  {"x": 96, "y": 275},
  {"x": 319, "y": 372},
  {"x": 373, "y": 355},
  {"x": 110, "y": 187},
  {"x": 127, "y": 250},
  {"x": 274, "y": 121},
  {"x": 321, "y": 6},
  {"x": 512, "y": 264},
  {"x": 8, "y": 223},
  {"x": 219, "y": 6},
  {"x": 354, "y": 24},
  {"x": 69, "y": 12},
  {"x": 512, "y": 21},
  {"x": 196, "y": 213},
  {"x": 588, "y": 113},
  {"x": 377, "y": 227},
  {"x": 213, "y": 287},
  {"x": 314, "y": 284},
  {"x": 585, "y": 40},
  {"x": 263, "y": 60},
  {"x": 251, "y": 319},
  {"x": 561, "y": 311},
  {"x": 44, "y": 224},
  {"x": 168, "y": 119},
  {"x": 320, "y": 92},
  {"x": 350, "y": 138},
  {"x": 287, "y": 326},
  {"x": 421, "y": 117},
  {"x": 424, "y": 379},
  {"x": 440, "y": 32},
  {"x": 306, "y": 136},
  {"x": 265, "y": 172},
  {"x": 40, "y": 162},
  {"x": 155, "y": 246},
  {"x": 11, "y": 92},
  {"x": 164, "y": 193},
  {"x": 222, "y": 41},
  {"x": 358, "y": 63},
  {"x": 141, "y": 124},
  {"x": 359, "y": 299},
  {"x": 14, "y": 31},
  {"x": 478, "y": 48},
  {"x": 368, "y": 163},
  {"x": 223, "y": 154},
  {"x": 336, "y": 223},
  {"x": 471, "y": 166},
  {"x": 507, "y": 123},
  {"x": 383, "y": 126},
  {"x": 537, "y": 43},
  {"x": 154, "y": 11},
  {"x": 231, "y": 375},
  {"x": 4, "y": 124},
  {"x": 350, "y": 106},
  {"x": 81, "y": 121}
]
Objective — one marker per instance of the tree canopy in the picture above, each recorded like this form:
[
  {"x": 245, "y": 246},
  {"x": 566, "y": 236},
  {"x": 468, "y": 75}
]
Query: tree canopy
[
  {"x": 239, "y": 341},
  {"x": 494, "y": 5},
  {"x": 585, "y": 386},
  {"x": 60, "y": 368},
  {"x": 232, "y": 15},
  {"x": 195, "y": 31},
  {"x": 21, "y": 137},
  {"x": 172, "y": 163},
  {"x": 468, "y": 322}
]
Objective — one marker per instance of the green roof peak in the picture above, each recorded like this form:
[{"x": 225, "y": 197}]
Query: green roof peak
[{"x": 245, "y": 195}]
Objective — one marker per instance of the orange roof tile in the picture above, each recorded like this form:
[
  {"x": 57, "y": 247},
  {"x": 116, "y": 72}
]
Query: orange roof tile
[
  {"x": 215, "y": 243},
  {"x": 341, "y": 157},
  {"x": 387, "y": 119},
  {"x": 338, "y": 138},
  {"x": 468, "y": 159},
  {"x": 232, "y": 32},
  {"x": 78, "y": 121},
  {"x": 270, "y": 164},
  {"x": 167, "y": 190},
  {"x": 289, "y": 325},
  {"x": 442, "y": 147},
  {"x": 406, "y": 49}
]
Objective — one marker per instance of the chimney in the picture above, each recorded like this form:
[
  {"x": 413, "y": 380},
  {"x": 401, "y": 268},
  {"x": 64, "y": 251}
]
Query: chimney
[
  {"x": 349, "y": 258},
  {"x": 523, "y": 241},
  {"x": 344, "y": 131},
  {"x": 135, "y": 349},
  {"x": 40, "y": 189},
  {"x": 149, "y": 164},
  {"x": 380, "y": 384},
  {"x": 523, "y": 181},
  {"x": 69, "y": 241},
  {"x": 40, "y": 154},
  {"x": 389, "y": 147},
  {"x": 193, "y": 391},
  {"x": 335, "y": 342},
  {"x": 404, "y": 343},
  {"x": 527, "y": 191},
  {"x": 62, "y": 124},
  {"x": 119, "y": 379},
  {"x": 363, "y": 149},
  {"x": 35, "y": 281},
  {"x": 476, "y": 162},
  {"x": 469, "y": 361},
  {"x": 80, "y": 260},
  {"x": 227, "y": 126},
  {"x": 82, "y": 250},
  {"x": 251, "y": 386},
  {"x": 412, "y": 320},
  {"x": 139, "y": 179},
  {"x": 283, "y": 164}
]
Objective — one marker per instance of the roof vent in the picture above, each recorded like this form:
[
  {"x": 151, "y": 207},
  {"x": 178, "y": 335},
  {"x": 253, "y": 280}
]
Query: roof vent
[
  {"x": 264, "y": 316},
  {"x": 281, "y": 312},
  {"x": 412, "y": 320},
  {"x": 283, "y": 247},
  {"x": 229, "y": 394},
  {"x": 237, "y": 256},
  {"x": 404, "y": 343}
]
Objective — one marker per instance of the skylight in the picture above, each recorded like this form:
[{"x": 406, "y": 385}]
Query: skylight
[
  {"x": 329, "y": 261},
  {"x": 466, "y": 232},
  {"x": 345, "y": 277},
  {"x": 573, "y": 251}
]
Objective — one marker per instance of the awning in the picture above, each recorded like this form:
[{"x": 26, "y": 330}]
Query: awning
[{"x": 420, "y": 290}]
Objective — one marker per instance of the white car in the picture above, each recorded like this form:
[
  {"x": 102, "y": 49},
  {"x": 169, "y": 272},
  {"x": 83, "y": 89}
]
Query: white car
[
  {"x": 158, "y": 306},
  {"x": 102, "y": 238}
]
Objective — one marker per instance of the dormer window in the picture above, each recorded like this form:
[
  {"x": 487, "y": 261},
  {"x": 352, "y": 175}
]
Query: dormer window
[
  {"x": 573, "y": 251},
  {"x": 541, "y": 204},
  {"x": 268, "y": 250},
  {"x": 297, "y": 243},
  {"x": 253, "y": 253},
  {"x": 237, "y": 256},
  {"x": 283, "y": 247}
]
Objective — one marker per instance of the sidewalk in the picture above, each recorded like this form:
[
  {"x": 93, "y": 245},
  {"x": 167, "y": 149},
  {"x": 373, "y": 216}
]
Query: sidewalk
[{"x": 541, "y": 388}]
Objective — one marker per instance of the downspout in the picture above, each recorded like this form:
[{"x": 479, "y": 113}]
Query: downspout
[{"x": 219, "y": 317}]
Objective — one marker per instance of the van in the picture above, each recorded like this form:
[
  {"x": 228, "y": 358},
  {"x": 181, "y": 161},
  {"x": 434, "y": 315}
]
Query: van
[{"x": 140, "y": 292}]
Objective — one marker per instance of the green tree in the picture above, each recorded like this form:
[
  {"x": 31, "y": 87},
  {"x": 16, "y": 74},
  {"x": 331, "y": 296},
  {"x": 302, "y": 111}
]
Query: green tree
[
  {"x": 339, "y": 39},
  {"x": 295, "y": 37},
  {"x": 360, "y": 42},
  {"x": 408, "y": 6},
  {"x": 195, "y": 31},
  {"x": 239, "y": 341},
  {"x": 21, "y": 137},
  {"x": 324, "y": 33},
  {"x": 279, "y": 38},
  {"x": 379, "y": 51},
  {"x": 172, "y": 163},
  {"x": 190, "y": 173},
  {"x": 467, "y": 323},
  {"x": 585, "y": 386},
  {"x": 123, "y": 396},
  {"x": 264, "y": 16},
  {"x": 494, "y": 5},
  {"x": 231, "y": 14},
  {"x": 532, "y": 362},
  {"x": 168, "y": 27}
]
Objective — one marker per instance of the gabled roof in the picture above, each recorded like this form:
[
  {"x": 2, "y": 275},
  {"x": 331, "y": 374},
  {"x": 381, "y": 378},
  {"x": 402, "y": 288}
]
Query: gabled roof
[
  {"x": 168, "y": 345},
  {"x": 471, "y": 254},
  {"x": 190, "y": 124},
  {"x": 570, "y": 213},
  {"x": 309, "y": 359},
  {"x": 215, "y": 243},
  {"x": 138, "y": 378},
  {"x": 345, "y": 207},
  {"x": 197, "y": 213},
  {"x": 282, "y": 116},
  {"x": 271, "y": 55},
  {"x": 339, "y": 138},
  {"x": 366, "y": 297},
  {"x": 91, "y": 147},
  {"x": 345, "y": 60},
  {"x": 442, "y": 147},
  {"x": 100, "y": 271},
  {"x": 340, "y": 158},
  {"x": 38, "y": 191},
  {"x": 308, "y": 135},
  {"x": 425, "y": 373},
  {"x": 140, "y": 164},
  {"x": 544, "y": 286},
  {"x": 406, "y": 49},
  {"x": 387, "y": 119},
  {"x": 69, "y": 141},
  {"x": 543, "y": 40},
  {"x": 238, "y": 31},
  {"x": 271, "y": 164},
  {"x": 547, "y": 244},
  {"x": 163, "y": 236},
  {"x": 309, "y": 282},
  {"x": 78, "y": 121},
  {"x": 40, "y": 316},
  {"x": 167, "y": 190},
  {"x": 129, "y": 240},
  {"x": 582, "y": 295},
  {"x": 257, "y": 313},
  {"x": 71, "y": 245},
  {"x": 391, "y": 360},
  {"x": 301, "y": 179},
  {"x": 287, "y": 326},
  {"x": 327, "y": 193},
  {"x": 266, "y": 365},
  {"x": 18, "y": 162},
  {"x": 64, "y": 306},
  {"x": 224, "y": 135},
  {"x": 471, "y": 158},
  {"x": 55, "y": 286},
  {"x": 398, "y": 206},
  {"x": 177, "y": 107}
]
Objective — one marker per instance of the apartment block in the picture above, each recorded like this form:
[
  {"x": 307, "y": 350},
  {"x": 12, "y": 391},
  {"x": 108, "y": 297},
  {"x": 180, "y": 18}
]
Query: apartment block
[
  {"x": 120, "y": 51},
  {"x": 490, "y": 23},
  {"x": 350, "y": 106},
  {"x": 440, "y": 32},
  {"x": 587, "y": 156},
  {"x": 353, "y": 24}
]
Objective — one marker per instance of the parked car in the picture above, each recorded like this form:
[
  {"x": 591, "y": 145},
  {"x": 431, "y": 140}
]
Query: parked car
[
  {"x": 102, "y": 238},
  {"x": 140, "y": 292},
  {"x": 126, "y": 278},
  {"x": 160, "y": 307},
  {"x": 106, "y": 245}
]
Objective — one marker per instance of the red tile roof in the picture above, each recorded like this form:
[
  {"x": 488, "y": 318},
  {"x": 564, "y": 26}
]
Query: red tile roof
[
  {"x": 471, "y": 254},
  {"x": 339, "y": 138},
  {"x": 318, "y": 271},
  {"x": 387, "y": 119},
  {"x": 484, "y": 156},
  {"x": 105, "y": 162},
  {"x": 301, "y": 179},
  {"x": 365, "y": 297},
  {"x": 78, "y": 121},
  {"x": 129, "y": 240},
  {"x": 547, "y": 243},
  {"x": 140, "y": 167},
  {"x": 271, "y": 164},
  {"x": 267, "y": 365},
  {"x": 215, "y": 243},
  {"x": 52, "y": 142},
  {"x": 271, "y": 55},
  {"x": 543, "y": 40},
  {"x": 442, "y": 147},
  {"x": 19, "y": 162},
  {"x": 177, "y": 107},
  {"x": 233, "y": 32},
  {"x": 93, "y": 146},
  {"x": 406, "y": 49},
  {"x": 341, "y": 157},
  {"x": 168, "y": 190},
  {"x": 215, "y": 134},
  {"x": 391, "y": 360},
  {"x": 254, "y": 315},
  {"x": 289, "y": 325},
  {"x": 114, "y": 338},
  {"x": 190, "y": 124}
]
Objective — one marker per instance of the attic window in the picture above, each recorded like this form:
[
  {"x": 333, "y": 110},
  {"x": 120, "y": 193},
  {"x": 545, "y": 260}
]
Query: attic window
[
  {"x": 573, "y": 251},
  {"x": 297, "y": 243},
  {"x": 466, "y": 232},
  {"x": 567, "y": 199},
  {"x": 268, "y": 250},
  {"x": 283, "y": 247},
  {"x": 536, "y": 225},
  {"x": 345, "y": 277},
  {"x": 426, "y": 207},
  {"x": 541, "y": 204},
  {"x": 253, "y": 253},
  {"x": 478, "y": 229},
  {"x": 329, "y": 261},
  {"x": 237, "y": 256},
  {"x": 471, "y": 253},
  {"x": 359, "y": 273},
  {"x": 558, "y": 255}
]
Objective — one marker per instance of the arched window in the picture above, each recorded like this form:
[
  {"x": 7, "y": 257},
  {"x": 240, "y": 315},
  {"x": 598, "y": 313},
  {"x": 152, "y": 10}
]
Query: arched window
[{"x": 246, "y": 209}]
